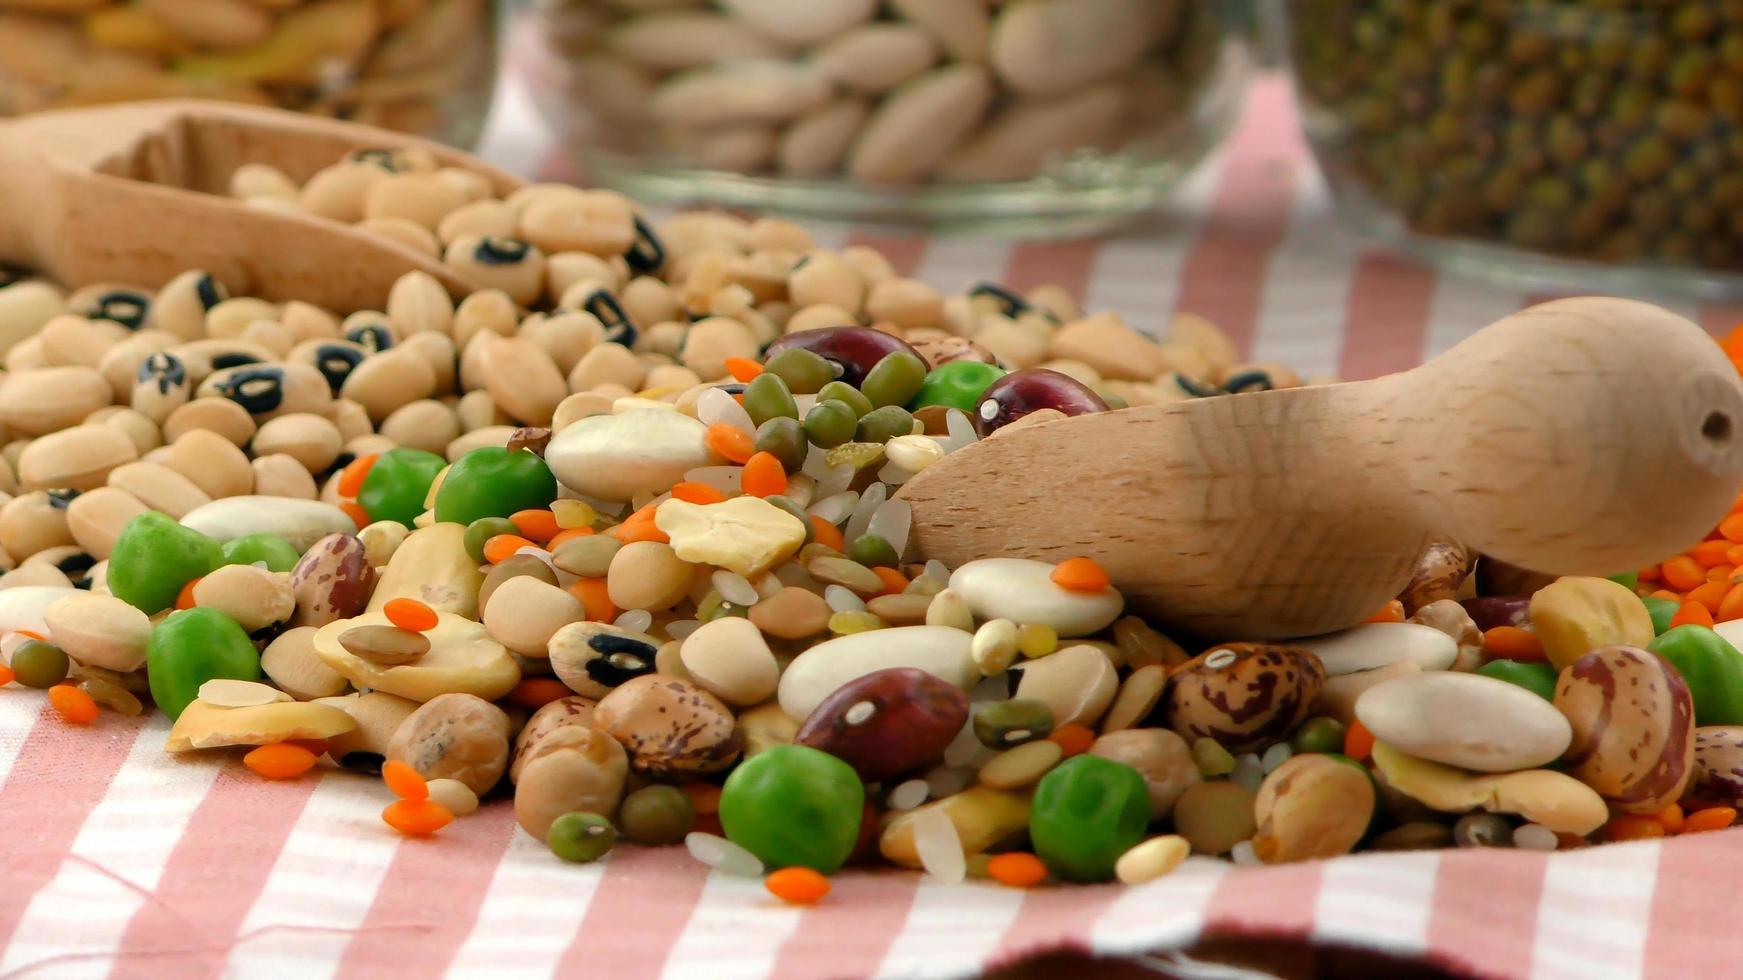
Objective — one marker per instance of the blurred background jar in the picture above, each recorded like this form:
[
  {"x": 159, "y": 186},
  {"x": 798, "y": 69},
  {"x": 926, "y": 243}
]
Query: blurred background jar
[
  {"x": 421, "y": 66},
  {"x": 1063, "y": 113},
  {"x": 1546, "y": 142}
]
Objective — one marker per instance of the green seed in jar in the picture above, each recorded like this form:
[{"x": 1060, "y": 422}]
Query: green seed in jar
[
  {"x": 656, "y": 815},
  {"x": 843, "y": 392},
  {"x": 805, "y": 372},
  {"x": 894, "y": 380},
  {"x": 830, "y": 423},
  {"x": 39, "y": 665},
  {"x": 479, "y": 532},
  {"x": 588, "y": 556},
  {"x": 767, "y": 397},
  {"x": 873, "y": 551},
  {"x": 1211, "y": 758},
  {"x": 784, "y": 439},
  {"x": 844, "y": 623},
  {"x": 883, "y": 424},
  {"x": 1002, "y": 724},
  {"x": 1320, "y": 734},
  {"x": 581, "y": 837}
]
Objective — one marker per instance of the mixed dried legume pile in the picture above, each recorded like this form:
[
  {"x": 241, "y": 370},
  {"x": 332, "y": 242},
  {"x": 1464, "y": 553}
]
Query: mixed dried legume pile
[{"x": 635, "y": 560}]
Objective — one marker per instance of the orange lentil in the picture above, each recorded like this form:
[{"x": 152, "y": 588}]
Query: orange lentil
[
  {"x": 1391, "y": 612},
  {"x": 1683, "y": 572},
  {"x": 763, "y": 476},
  {"x": 1710, "y": 553},
  {"x": 1733, "y": 554},
  {"x": 1709, "y": 594},
  {"x": 697, "y": 493},
  {"x": 1691, "y": 613},
  {"x": 1667, "y": 594},
  {"x": 280, "y": 760},
  {"x": 417, "y": 818},
  {"x": 1672, "y": 818},
  {"x": 6, "y": 675},
  {"x": 358, "y": 515},
  {"x": 1019, "y": 869},
  {"x": 33, "y": 634},
  {"x": 568, "y": 534},
  {"x": 536, "y": 692},
  {"x": 731, "y": 442},
  {"x": 827, "y": 534},
  {"x": 538, "y": 525},
  {"x": 1074, "y": 739},
  {"x": 503, "y": 546},
  {"x": 797, "y": 886},
  {"x": 351, "y": 481},
  {"x": 1650, "y": 573},
  {"x": 410, "y": 614},
  {"x": 1632, "y": 826},
  {"x": 1358, "y": 741},
  {"x": 1080, "y": 575},
  {"x": 644, "y": 514},
  {"x": 318, "y": 746},
  {"x": 1709, "y": 818},
  {"x": 894, "y": 581},
  {"x": 405, "y": 782},
  {"x": 1512, "y": 643},
  {"x": 73, "y": 704},
  {"x": 641, "y": 531},
  {"x": 594, "y": 598},
  {"x": 1730, "y": 607},
  {"x": 743, "y": 368},
  {"x": 1721, "y": 573},
  {"x": 704, "y": 797},
  {"x": 1731, "y": 528},
  {"x": 1570, "y": 842},
  {"x": 185, "y": 598}
]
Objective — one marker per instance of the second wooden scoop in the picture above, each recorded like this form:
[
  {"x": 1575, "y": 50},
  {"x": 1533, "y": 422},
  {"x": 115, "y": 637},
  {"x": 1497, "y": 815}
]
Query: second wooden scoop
[{"x": 1582, "y": 436}]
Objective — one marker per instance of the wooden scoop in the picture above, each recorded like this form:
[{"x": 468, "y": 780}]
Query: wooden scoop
[
  {"x": 1583, "y": 436},
  {"x": 135, "y": 194}
]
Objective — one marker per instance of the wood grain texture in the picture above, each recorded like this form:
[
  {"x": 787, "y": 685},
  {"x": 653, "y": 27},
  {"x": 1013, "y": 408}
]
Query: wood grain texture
[
  {"x": 134, "y": 194},
  {"x": 1583, "y": 436}
]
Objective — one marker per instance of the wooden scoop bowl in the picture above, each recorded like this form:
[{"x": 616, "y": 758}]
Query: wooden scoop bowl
[
  {"x": 1582, "y": 436},
  {"x": 135, "y": 194}
]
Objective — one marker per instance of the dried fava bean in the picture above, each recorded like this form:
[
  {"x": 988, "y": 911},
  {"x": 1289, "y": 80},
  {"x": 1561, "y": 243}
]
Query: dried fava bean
[
  {"x": 793, "y": 806},
  {"x": 1312, "y": 806},
  {"x": 1244, "y": 695},
  {"x": 887, "y": 722},
  {"x": 1576, "y": 614},
  {"x": 594, "y": 658},
  {"x": 525, "y": 612},
  {"x": 99, "y": 631},
  {"x": 205, "y": 726},
  {"x": 431, "y": 565},
  {"x": 254, "y": 597},
  {"x": 668, "y": 726},
  {"x": 290, "y": 662},
  {"x": 455, "y": 736},
  {"x": 463, "y": 659},
  {"x": 1215, "y": 816},
  {"x": 1160, "y": 756},
  {"x": 1439, "y": 573},
  {"x": 1002, "y": 724},
  {"x": 1633, "y": 727},
  {"x": 1086, "y": 813},
  {"x": 331, "y": 581},
  {"x": 558, "y": 723},
  {"x": 1554, "y": 799},
  {"x": 388, "y": 646},
  {"x": 1077, "y": 684},
  {"x": 588, "y": 776}
]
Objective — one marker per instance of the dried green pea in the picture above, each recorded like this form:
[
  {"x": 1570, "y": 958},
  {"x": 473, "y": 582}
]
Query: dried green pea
[
  {"x": 805, "y": 372},
  {"x": 884, "y": 424},
  {"x": 783, "y": 438},
  {"x": 843, "y": 392},
  {"x": 830, "y": 423},
  {"x": 581, "y": 837},
  {"x": 480, "y": 531},
  {"x": 656, "y": 815},
  {"x": 767, "y": 397},
  {"x": 39, "y": 665},
  {"x": 872, "y": 551}
]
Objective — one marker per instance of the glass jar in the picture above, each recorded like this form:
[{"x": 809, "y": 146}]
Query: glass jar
[
  {"x": 1061, "y": 113},
  {"x": 421, "y": 66},
  {"x": 1548, "y": 143}
]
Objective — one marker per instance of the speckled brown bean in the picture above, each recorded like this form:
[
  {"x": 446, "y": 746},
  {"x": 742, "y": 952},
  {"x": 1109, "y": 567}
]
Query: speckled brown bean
[
  {"x": 332, "y": 581},
  {"x": 42, "y": 401},
  {"x": 1244, "y": 695},
  {"x": 1717, "y": 779},
  {"x": 455, "y": 736},
  {"x": 309, "y": 439},
  {"x": 1312, "y": 806},
  {"x": 1439, "y": 573},
  {"x": 213, "y": 463},
  {"x": 586, "y": 776},
  {"x": 669, "y": 727},
  {"x": 96, "y": 518},
  {"x": 1633, "y": 723},
  {"x": 220, "y": 415},
  {"x": 572, "y": 717}
]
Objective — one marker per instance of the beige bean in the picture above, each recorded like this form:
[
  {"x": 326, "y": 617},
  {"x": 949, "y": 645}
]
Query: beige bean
[
  {"x": 96, "y": 518},
  {"x": 307, "y": 321},
  {"x": 494, "y": 435},
  {"x": 579, "y": 406},
  {"x": 586, "y": 776},
  {"x": 231, "y": 317},
  {"x": 159, "y": 488},
  {"x": 270, "y": 334},
  {"x": 487, "y": 309},
  {"x": 253, "y": 596},
  {"x": 406, "y": 232},
  {"x": 213, "y": 463},
  {"x": 26, "y": 355},
  {"x": 281, "y": 475},
  {"x": 606, "y": 364},
  {"x": 389, "y": 380},
  {"x": 350, "y": 418},
  {"x": 220, "y": 415},
  {"x": 597, "y": 222},
  {"x": 422, "y": 198},
  {"x": 34, "y": 522},
  {"x": 418, "y": 303},
  {"x": 488, "y": 218},
  {"x": 291, "y": 663},
  {"x": 144, "y": 433},
  {"x": 80, "y": 457},
  {"x": 476, "y": 409},
  {"x": 521, "y": 378},
  {"x": 513, "y": 266},
  {"x": 566, "y": 336},
  {"x": 51, "y": 398},
  {"x": 525, "y": 612},
  {"x": 729, "y": 659},
  {"x": 438, "y": 351},
  {"x": 378, "y": 715},
  {"x": 339, "y": 191},
  {"x": 309, "y": 439},
  {"x": 455, "y": 795},
  {"x": 712, "y": 341},
  {"x": 75, "y": 341},
  {"x": 426, "y": 424},
  {"x": 40, "y": 574},
  {"x": 99, "y": 631},
  {"x": 648, "y": 575}
]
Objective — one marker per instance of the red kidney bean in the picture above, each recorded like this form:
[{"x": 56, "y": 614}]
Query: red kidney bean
[
  {"x": 887, "y": 722},
  {"x": 1021, "y": 392}
]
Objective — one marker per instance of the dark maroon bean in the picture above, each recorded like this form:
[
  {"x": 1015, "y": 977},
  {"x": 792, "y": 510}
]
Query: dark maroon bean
[
  {"x": 887, "y": 722},
  {"x": 1021, "y": 392},
  {"x": 1491, "y": 611},
  {"x": 855, "y": 350},
  {"x": 1496, "y": 577}
]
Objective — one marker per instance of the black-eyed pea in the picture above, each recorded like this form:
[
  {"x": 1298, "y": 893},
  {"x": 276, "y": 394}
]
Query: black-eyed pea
[
  {"x": 120, "y": 363},
  {"x": 252, "y": 596},
  {"x": 230, "y": 421},
  {"x": 33, "y": 522},
  {"x": 425, "y": 424},
  {"x": 524, "y": 612},
  {"x": 378, "y": 716},
  {"x": 711, "y": 342},
  {"x": 389, "y": 380},
  {"x": 421, "y": 198},
  {"x": 231, "y": 317},
  {"x": 369, "y": 330},
  {"x": 566, "y": 335},
  {"x": 606, "y": 364},
  {"x": 291, "y": 663},
  {"x": 37, "y": 402},
  {"x": 489, "y": 310},
  {"x": 309, "y": 439},
  {"x": 455, "y": 736},
  {"x": 96, "y": 518},
  {"x": 488, "y": 218},
  {"x": 586, "y": 776},
  {"x": 439, "y": 351},
  {"x": 142, "y": 431},
  {"x": 68, "y": 559},
  {"x": 380, "y": 540},
  {"x": 493, "y": 435},
  {"x": 267, "y": 391},
  {"x": 212, "y": 462},
  {"x": 307, "y": 321},
  {"x": 594, "y": 658},
  {"x": 282, "y": 475},
  {"x": 514, "y": 266},
  {"x": 160, "y": 386},
  {"x": 70, "y": 340},
  {"x": 202, "y": 357},
  {"x": 180, "y": 306},
  {"x": 405, "y": 232},
  {"x": 99, "y": 631},
  {"x": 159, "y": 488},
  {"x": 417, "y": 303},
  {"x": 646, "y": 299},
  {"x": 338, "y": 192},
  {"x": 80, "y": 457},
  {"x": 121, "y": 304}
]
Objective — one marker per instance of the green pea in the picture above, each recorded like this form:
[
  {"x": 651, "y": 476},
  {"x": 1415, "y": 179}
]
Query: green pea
[
  {"x": 792, "y": 507},
  {"x": 957, "y": 384},
  {"x": 39, "y": 665},
  {"x": 192, "y": 647},
  {"x": 581, "y": 837},
  {"x": 398, "y": 483},
  {"x": 805, "y": 372},
  {"x": 154, "y": 557},
  {"x": 793, "y": 805},
  {"x": 1662, "y": 612},
  {"x": 841, "y": 391},
  {"x": 494, "y": 482},
  {"x": 784, "y": 438},
  {"x": 1538, "y": 678},
  {"x": 872, "y": 551},
  {"x": 278, "y": 554},
  {"x": 1712, "y": 668},
  {"x": 481, "y": 531},
  {"x": 884, "y": 424},
  {"x": 767, "y": 397},
  {"x": 656, "y": 815},
  {"x": 894, "y": 380},
  {"x": 1086, "y": 813},
  {"x": 1630, "y": 579},
  {"x": 1003, "y": 724},
  {"x": 1322, "y": 734},
  {"x": 830, "y": 424}
]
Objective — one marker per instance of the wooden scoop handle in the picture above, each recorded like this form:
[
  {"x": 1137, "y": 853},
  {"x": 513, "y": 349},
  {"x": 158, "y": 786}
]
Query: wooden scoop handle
[{"x": 1584, "y": 436}]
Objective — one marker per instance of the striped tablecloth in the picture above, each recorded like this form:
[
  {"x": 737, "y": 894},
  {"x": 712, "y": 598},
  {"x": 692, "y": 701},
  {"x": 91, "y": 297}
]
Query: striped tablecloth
[{"x": 119, "y": 860}]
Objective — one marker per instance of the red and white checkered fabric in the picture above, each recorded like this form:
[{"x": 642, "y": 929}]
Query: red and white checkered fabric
[{"x": 118, "y": 860}]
